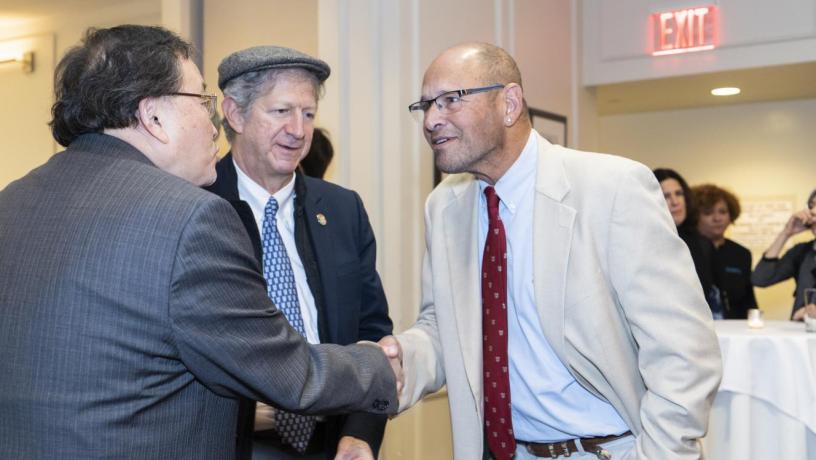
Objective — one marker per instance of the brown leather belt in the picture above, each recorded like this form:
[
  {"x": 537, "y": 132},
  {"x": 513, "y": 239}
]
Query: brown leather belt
[{"x": 569, "y": 447}]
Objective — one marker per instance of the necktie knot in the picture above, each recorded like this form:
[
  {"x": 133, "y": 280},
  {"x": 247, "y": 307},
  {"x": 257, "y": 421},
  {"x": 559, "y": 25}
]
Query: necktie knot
[
  {"x": 271, "y": 208},
  {"x": 492, "y": 203}
]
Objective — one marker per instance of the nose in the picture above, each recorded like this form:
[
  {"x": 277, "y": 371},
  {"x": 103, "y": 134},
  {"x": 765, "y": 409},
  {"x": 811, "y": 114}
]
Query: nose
[
  {"x": 214, "y": 130},
  {"x": 294, "y": 126},
  {"x": 433, "y": 118}
]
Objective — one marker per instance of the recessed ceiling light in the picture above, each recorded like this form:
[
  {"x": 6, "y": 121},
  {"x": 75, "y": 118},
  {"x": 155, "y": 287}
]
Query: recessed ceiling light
[{"x": 727, "y": 91}]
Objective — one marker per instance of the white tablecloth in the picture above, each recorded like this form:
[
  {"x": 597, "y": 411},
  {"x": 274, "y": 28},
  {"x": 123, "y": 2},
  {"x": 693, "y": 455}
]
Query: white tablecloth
[{"x": 766, "y": 405}]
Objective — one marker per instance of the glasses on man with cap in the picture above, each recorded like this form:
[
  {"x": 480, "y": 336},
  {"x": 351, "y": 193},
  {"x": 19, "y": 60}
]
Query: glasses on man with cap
[
  {"x": 207, "y": 100},
  {"x": 448, "y": 102}
]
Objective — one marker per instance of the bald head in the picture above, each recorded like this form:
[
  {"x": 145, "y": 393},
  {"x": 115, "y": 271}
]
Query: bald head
[
  {"x": 484, "y": 64},
  {"x": 489, "y": 63}
]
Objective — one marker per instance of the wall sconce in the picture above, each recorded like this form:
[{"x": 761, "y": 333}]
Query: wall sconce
[{"x": 26, "y": 59}]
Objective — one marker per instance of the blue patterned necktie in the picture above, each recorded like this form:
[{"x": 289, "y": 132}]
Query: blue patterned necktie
[{"x": 293, "y": 429}]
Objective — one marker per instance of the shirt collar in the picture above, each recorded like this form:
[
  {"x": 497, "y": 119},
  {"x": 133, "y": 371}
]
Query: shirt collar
[
  {"x": 257, "y": 196},
  {"x": 514, "y": 185}
]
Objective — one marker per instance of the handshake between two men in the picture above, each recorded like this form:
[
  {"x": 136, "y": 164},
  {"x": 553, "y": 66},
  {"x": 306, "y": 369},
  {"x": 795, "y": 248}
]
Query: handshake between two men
[{"x": 393, "y": 351}]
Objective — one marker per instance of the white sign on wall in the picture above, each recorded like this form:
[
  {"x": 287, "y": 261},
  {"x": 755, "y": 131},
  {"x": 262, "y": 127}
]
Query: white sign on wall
[{"x": 761, "y": 221}]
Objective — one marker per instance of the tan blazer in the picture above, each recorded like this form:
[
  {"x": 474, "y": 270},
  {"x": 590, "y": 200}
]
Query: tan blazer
[{"x": 616, "y": 292}]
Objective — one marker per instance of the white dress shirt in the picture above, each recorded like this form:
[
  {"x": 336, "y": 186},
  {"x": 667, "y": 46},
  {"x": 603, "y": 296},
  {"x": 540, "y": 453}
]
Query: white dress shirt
[{"x": 257, "y": 197}]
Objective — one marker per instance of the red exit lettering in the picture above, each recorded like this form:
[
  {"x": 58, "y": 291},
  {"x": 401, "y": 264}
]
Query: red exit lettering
[{"x": 683, "y": 31}]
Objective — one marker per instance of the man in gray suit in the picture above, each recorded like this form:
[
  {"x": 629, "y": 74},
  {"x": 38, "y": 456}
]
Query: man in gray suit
[
  {"x": 558, "y": 303},
  {"x": 133, "y": 313}
]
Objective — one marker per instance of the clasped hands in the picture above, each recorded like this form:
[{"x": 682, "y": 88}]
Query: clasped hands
[{"x": 393, "y": 351}]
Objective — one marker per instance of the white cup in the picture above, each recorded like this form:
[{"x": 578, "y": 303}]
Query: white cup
[{"x": 755, "y": 318}]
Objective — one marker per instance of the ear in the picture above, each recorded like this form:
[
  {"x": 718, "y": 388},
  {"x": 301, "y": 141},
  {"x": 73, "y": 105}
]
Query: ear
[
  {"x": 150, "y": 119},
  {"x": 233, "y": 114},
  {"x": 513, "y": 103}
]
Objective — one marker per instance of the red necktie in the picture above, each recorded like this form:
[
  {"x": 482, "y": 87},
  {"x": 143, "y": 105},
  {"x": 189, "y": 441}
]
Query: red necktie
[{"x": 498, "y": 418}]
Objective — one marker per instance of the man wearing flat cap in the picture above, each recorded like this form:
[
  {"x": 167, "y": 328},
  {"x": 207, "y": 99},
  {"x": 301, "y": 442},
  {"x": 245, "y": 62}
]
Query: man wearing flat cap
[
  {"x": 313, "y": 239},
  {"x": 133, "y": 314}
]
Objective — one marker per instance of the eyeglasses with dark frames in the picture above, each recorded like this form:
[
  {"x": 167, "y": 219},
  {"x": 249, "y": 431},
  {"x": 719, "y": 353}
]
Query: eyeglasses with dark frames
[
  {"x": 207, "y": 100},
  {"x": 447, "y": 102}
]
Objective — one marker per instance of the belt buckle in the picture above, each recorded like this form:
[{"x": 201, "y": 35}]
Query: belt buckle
[{"x": 602, "y": 453}]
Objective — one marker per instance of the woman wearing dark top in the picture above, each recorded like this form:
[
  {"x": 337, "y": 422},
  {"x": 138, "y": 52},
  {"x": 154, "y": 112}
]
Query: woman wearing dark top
[
  {"x": 718, "y": 208},
  {"x": 799, "y": 261},
  {"x": 681, "y": 205}
]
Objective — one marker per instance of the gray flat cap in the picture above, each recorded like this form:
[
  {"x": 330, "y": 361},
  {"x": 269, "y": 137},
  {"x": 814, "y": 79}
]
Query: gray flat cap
[{"x": 269, "y": 57}]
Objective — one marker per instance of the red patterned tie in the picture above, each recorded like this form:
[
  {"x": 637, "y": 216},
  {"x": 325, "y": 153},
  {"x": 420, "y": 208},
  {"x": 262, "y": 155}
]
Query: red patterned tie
[{"x": 498, "y": 418}]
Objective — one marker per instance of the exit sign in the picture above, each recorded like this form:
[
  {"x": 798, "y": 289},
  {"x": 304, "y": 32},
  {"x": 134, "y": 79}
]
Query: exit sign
[{"x": 684, "y": 31}]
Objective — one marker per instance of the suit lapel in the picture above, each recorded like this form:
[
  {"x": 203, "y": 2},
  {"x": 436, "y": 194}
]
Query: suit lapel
[
  {"x": 552, "y": 236},
  {"x": 324, "y": 255},
  {"x": 461, "y": 238},
  {"x": 226, "y": 186}
]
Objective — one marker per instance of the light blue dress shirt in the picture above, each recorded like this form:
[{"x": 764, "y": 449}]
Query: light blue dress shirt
[{"x": 548, "y": 404}]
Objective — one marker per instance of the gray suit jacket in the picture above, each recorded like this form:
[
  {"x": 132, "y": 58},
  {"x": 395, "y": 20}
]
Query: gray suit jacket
[
  {"x": 133, "y": 313},
  {"x": 615, "y": 290}
]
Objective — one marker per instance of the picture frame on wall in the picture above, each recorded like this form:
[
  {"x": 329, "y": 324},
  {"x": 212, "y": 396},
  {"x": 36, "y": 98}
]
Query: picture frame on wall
[{"x": 550, "y": 125}]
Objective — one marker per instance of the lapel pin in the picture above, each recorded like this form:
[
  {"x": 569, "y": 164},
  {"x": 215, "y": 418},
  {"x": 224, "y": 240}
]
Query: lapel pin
[{"x": 321, "y": 219}]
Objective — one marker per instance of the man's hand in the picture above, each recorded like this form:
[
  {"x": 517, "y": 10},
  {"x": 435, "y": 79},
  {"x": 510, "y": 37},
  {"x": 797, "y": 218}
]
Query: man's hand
[
  {"x": 351, "y": 448},
  {"x": 393, "y": 351}
]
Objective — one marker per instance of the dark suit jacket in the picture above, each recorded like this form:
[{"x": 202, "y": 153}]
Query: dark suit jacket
[
  {"x": 340, "y": 263},
  {"x": 799, "y": 262},
  {"x": 734, "y": 265},
  {"x": 133, "y": 314}
]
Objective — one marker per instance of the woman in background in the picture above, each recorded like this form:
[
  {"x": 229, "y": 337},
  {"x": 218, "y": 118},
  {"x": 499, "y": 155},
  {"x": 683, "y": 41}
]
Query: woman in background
[
  {"x": 799, "y": 261},
  {"x": 718, "y": 208},
  {"x": 681, "y": 205}
]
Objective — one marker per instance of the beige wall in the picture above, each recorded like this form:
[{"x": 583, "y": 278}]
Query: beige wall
[
  {"x": 27, "y": 98},
  {"x": 757, "y": 150},
  {"x": 26, "y": 137},
  {"x": 543, "y": 34}
]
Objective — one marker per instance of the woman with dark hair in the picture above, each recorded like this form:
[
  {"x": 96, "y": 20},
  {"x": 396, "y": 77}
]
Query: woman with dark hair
[
  {"x": 718, "y": 208},
  {"x": 681, "y": 205},
  {"x": 320, "y": 154},
  {"x": 799, "y": 261}
]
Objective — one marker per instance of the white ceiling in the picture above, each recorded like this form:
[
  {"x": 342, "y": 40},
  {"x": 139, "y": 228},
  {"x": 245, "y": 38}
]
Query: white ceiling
[{"x": 795, "y": 81}]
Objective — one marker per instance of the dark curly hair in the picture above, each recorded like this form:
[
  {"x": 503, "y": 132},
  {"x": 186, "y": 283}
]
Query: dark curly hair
[
  {"x": 707, "y": 195},
  {"x": 98, "y": 84},
  {"x": 691, "y": 211}
]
